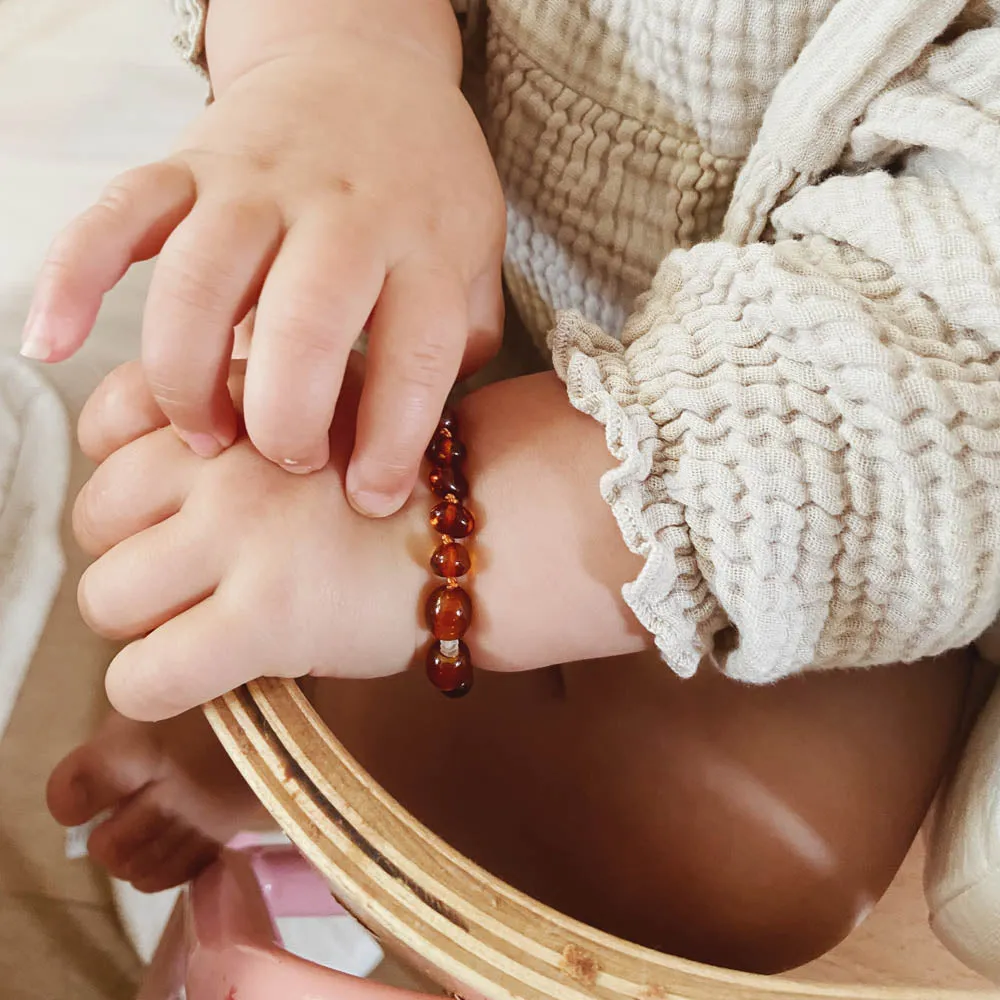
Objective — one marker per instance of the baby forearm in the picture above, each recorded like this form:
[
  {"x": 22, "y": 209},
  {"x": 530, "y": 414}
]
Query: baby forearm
[
  {"x": 242, "y": 34},
  {"x": 550, "y": 560}
]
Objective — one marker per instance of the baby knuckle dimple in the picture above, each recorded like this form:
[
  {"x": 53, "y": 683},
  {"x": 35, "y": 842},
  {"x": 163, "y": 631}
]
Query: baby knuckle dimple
[
  {"x": 263, "y": 583},
  {"x": 239, "y": 218},
  {"x": 236, "y": 482},
  {"x": 253, "y": 210}
]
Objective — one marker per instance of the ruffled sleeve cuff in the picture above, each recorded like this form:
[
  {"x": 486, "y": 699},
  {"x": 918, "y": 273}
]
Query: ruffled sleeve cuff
[
  {"x": 190, "y": 32},
  {"x": 671, "y": 597}
]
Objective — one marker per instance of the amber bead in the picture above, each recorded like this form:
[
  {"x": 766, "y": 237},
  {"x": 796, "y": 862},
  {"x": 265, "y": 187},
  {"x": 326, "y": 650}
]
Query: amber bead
[
  {"x": 445, "y": 450},
  {"x": 449, "y": 422},
  {"x": 451, "y": 675},
  {"x": 448, "y": 479},
  {"x": 451, "y": 560},
  {"x": 452, "y": 519},
  {"x": 449, "y": 612}
]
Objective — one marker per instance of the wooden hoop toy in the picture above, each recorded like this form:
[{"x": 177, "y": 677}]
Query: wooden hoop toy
[{"x": 448, "y": 918}]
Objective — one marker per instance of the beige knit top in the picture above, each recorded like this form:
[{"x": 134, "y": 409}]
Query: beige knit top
[{"x": 763, "y": 239}]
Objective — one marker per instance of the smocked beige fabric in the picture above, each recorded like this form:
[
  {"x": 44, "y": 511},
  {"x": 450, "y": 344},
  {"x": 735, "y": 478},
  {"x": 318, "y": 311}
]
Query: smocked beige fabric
[
  {"x": 810, "y": 426},
  {"x": 765, "y": 236},
  {"x": 190, "y": 37}
]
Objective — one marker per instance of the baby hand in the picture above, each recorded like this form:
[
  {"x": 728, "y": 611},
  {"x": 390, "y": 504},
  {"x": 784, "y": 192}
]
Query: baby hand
[
  {"x": 220, "y": 572},
  {"x": 341, "y": 184}
]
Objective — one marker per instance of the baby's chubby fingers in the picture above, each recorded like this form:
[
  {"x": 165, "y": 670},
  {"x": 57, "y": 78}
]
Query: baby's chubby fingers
[
  {"x": 137, "y": 486},
  {"x": 121, "y": 409},
  {"x": 129, "y": 222},
  {"x": 313, "y": 307},
  {"x": 200, "y": 654},
  {"x": 148, "y": 579},
  {"x": 206, "y": 279},
  {"x": 417, "y": 340}
]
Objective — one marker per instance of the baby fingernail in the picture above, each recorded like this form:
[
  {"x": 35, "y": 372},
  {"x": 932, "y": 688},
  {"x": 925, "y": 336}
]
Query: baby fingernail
[
  {"x": 34, "y": 344},
  {"x": 372, "y": 504},
  {"x": 203, "y": 445},
  {"x": 300, "y": 468}
]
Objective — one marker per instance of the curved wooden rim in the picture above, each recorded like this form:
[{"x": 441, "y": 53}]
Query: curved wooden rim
[{"x": 463, "y": 928}]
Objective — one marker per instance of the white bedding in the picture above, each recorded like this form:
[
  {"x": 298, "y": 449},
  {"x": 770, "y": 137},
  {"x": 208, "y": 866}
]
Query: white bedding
[{"x": 87, "y": 89}]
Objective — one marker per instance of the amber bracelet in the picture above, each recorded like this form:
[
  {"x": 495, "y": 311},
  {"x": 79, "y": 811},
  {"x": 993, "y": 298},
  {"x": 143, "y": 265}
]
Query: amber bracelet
[{"x": 449, "y": 609}]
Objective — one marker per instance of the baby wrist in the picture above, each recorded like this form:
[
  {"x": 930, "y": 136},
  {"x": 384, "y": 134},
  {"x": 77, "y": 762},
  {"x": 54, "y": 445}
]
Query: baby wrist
[
  {"x": 244, "y": 34},
  {"x": 549, "y": 560}
]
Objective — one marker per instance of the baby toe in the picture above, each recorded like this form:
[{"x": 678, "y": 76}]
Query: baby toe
[
  {"x": 73, "y": 794},
  {"x": 103, "y": 773},
  {"x": 174, "y": 862},
  {"x": 147, "y": 861},
  {"x": 129, "y": 832}
]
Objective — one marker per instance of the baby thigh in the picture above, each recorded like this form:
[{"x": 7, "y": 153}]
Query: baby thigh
[
  {"x": 759, "y": 825},
  {"x": 742, "y": 826}
]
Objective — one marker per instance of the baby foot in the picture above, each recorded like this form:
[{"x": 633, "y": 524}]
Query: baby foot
[{"x": 173, "y": 796}]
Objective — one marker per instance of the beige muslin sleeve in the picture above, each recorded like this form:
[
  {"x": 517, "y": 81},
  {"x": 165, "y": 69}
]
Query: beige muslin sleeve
[
  {"x": 808, "y": 429},
  {"x": 191, "y": 14},
  {"x": 189, "y": 35}
]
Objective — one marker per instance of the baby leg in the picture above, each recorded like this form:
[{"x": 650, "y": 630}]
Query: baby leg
[
  {"x": 748, "y": 827},
  {"x": 172, "y": 794}
]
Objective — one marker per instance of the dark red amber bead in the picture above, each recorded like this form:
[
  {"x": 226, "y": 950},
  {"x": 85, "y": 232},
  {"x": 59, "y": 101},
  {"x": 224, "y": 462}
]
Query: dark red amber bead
[
  {"x": 451, "y": 560},
  {"x": 445, "y": 479},
  {"x": 452, "y": 676},
  {"x": 452, "y": 519},
  {"x": 449, "y": 422},
  {"x": 445, "y": 450},
  {"x": 449, "y": 612}
]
